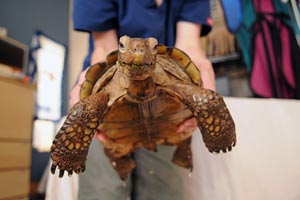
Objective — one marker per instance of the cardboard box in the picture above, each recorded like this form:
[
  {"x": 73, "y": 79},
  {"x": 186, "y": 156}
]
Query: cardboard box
[{"x": 16, "y": 116}]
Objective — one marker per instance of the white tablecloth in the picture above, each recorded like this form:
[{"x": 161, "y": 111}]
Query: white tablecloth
[{"x": 264, "y": 164}]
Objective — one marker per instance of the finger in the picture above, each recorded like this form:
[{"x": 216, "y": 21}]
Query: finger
[
  {"x": 100, "y": 136},
  {"x": 74, "y": 95},
  {"x": 188, "y": 125},
  {"x": 208, "y": 79},
  {"x": 207, "y": 73}
]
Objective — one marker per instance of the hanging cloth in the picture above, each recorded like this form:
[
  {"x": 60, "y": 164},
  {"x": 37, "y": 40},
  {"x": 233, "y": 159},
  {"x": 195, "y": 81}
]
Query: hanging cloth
[
  {"x": 275, "y": 54},
  {"x": 243, "y": 34}
]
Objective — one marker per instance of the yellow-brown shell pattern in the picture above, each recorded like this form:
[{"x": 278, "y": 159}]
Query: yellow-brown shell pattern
[
  {"x": 95, "y": 72},
  {"x": 183, "y": 60}
]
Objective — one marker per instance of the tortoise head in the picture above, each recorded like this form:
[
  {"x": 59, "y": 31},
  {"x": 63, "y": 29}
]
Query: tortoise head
[{"x": 137, "y": 56}]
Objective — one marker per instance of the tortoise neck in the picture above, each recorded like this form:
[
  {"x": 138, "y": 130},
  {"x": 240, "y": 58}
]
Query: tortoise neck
[{"x": 141, "y": 89}]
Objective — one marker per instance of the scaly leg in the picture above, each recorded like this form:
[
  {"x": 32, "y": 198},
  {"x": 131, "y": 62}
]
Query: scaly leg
[
  {"x": 214, "y": 120},
  {"x": 71, "y": 144},
  {"x": 183, "y": 154},
  {"x": 123, "y": 164}
]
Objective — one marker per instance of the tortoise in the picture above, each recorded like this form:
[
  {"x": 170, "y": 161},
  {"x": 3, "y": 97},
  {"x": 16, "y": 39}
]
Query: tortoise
[{"x": 138, "y": 97}]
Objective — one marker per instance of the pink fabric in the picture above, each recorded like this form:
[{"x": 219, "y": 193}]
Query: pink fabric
[
  {"x": 260, "y": 78},
  {"x": 264, "y": 6},
  {"x": 261, "y": 82},
  {"x": 286, "y": 55}
]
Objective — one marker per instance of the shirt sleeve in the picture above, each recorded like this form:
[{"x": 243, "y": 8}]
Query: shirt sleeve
[
  {"x": 94, "y": 15},
  {"x": 196, "y": 11}
]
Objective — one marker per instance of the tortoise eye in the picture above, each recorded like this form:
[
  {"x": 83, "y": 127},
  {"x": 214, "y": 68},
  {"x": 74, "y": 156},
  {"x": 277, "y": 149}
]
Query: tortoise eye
[
  {"x": 121, "y": 45},
  {"x": 154, "y": 48},
  {"x": 152, "y": 44}
]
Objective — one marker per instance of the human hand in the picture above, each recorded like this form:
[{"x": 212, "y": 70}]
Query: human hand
[
  {"x": 189, "y": 125},
  {"x": 74, "y": 95},
  {"x": 204, "y": 65},
  {"x": 207, "y": 73},
  {"x": 99, "y": 135}
]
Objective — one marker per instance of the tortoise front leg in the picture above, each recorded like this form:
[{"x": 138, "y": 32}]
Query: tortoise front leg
[
  {"x": 214, "y": 120},
  {"x": 71, "y": 144}
]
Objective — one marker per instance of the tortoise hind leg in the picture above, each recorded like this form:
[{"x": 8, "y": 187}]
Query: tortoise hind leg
[
  {"x": 71, "y": 144},
  {"x": 183, "y": 154},
  {"x": 122, "y": 164}
]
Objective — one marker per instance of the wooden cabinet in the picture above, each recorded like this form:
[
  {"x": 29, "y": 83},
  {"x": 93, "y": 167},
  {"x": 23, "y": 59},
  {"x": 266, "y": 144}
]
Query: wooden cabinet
[{"x": 16, "y": 116}]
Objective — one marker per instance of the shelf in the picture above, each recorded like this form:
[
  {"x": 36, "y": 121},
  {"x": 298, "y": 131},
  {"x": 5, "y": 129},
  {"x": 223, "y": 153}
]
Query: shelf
[{"x": 225, "y": 58}]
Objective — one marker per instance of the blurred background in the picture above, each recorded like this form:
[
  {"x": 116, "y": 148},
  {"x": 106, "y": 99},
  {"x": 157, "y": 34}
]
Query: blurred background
[{"x": 40, "y": 60}]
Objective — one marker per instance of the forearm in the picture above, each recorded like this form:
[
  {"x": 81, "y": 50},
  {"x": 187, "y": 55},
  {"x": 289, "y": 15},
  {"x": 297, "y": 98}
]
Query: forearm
[
  {"x": 187, "y": 39},
  {"x": 104, "y": 43}
]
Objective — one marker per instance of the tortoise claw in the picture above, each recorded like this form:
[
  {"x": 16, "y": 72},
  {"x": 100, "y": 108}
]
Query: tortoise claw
[
  {"x": 70, "y": 146},
  {"x": 233, "y": 144},
  {"x": 68, "y": 163},
  {"x": 70, "y": 172},
  {"x": 53, "y": 168},
  {"x": 218, "y": 150},
  {"x": 123, "y": 178},
  {"x": 61, "y": 173},
  {"x": 224, "y": 150}
]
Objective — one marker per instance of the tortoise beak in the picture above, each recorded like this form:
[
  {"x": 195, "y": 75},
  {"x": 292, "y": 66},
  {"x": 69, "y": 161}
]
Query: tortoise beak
[{"x": 138, "y": 58}]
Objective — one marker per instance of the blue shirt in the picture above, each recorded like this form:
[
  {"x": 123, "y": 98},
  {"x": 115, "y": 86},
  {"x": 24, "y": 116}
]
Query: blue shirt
[{"x": 138, "y": 18}]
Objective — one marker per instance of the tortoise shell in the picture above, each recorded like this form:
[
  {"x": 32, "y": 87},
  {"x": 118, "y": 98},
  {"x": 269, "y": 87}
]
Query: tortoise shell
[
  {"x": 169, "y": 58},
  {"x": 138, "y": 97}
]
